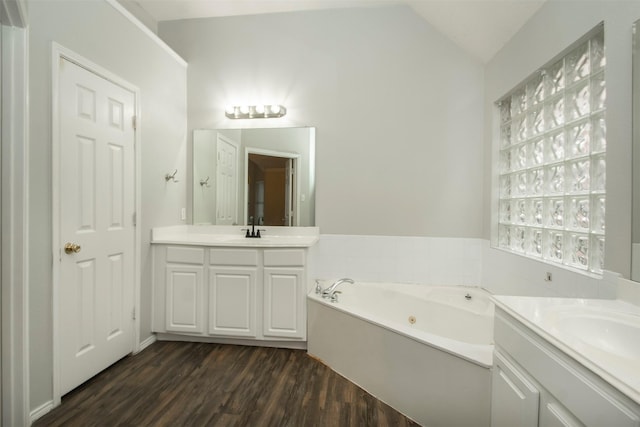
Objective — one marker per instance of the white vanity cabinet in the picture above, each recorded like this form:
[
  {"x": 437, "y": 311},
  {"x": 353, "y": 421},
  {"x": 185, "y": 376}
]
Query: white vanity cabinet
[
  {"x": 536, "y": 384},
  {"x": 230, "y": 293},
  {"x": 514, "y": 397},
  {"x": 233, "y": 292},
  {"x": 183, "y": 269},
  {"x": 284, "y": 294}
]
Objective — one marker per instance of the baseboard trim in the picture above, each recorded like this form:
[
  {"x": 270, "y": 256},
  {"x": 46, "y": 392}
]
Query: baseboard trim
[
  {"x": 296, "y": 345},
  {"x": 40, "y": 411},
  {"x": 146, "y": 343}
]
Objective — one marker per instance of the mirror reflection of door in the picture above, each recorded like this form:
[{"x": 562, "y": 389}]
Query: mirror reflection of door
[
  {"x": 270, "y": 185},
  {"x": 226, "y": 179}
]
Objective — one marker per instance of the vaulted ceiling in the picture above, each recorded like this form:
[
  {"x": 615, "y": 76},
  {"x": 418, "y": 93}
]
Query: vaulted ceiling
[{"x": 480, "y": 27}]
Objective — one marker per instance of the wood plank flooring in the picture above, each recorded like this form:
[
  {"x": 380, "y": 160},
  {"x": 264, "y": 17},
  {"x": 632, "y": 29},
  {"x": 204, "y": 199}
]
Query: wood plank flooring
[{"x": 196, "y": 384}]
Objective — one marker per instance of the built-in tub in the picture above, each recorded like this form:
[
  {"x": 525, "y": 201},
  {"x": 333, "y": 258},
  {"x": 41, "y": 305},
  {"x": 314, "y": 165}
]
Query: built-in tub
[{"x": 424, "y": 350}]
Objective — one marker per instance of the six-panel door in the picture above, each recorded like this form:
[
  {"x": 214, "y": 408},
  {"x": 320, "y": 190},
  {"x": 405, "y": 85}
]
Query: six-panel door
[{"x": 97, "y": 201}]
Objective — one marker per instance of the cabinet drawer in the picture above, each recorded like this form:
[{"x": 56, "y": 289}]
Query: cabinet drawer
[
  {"x": 553, "y": 413},
  {"x": 514, "y": 397},
  {"x": 233, "y": 257},
  {"x": 185, "y": 255},
  {"x": 590, "y": 399},
  {"x": 284, "y": 258}
]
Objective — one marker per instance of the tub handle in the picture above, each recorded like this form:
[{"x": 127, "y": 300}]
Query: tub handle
[
  {"x": 334, "y": 296},
  {"x": 318, "y": 287}
]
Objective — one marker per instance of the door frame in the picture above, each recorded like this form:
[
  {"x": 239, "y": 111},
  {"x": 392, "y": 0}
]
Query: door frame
[
  {"x": 60, "y": 52},
  {"x": 273, "y": 153},
  {"x": 14, "y": 206}
]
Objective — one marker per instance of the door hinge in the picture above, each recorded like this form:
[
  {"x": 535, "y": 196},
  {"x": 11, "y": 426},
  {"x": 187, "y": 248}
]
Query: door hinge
[
  {"x": 133, "y": 313},
  {"x": 134, "y": 217},
  {"x": 134, "y": 122}
]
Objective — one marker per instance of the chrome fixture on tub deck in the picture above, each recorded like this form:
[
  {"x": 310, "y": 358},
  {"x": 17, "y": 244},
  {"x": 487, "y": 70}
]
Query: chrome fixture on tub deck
[{"x": 331, "y": 292}]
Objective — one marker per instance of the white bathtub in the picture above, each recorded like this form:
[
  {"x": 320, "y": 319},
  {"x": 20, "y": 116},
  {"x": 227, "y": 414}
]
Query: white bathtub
[{"x": 424, "y": 350}]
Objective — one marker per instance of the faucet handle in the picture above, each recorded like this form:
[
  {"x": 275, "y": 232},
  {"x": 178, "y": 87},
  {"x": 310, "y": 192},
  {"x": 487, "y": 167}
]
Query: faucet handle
[
  {"x": 318, "y": 287},
  {"x": 334, "y": 297}
]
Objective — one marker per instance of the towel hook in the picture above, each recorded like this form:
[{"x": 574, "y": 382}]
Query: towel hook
[
  {"x": 204, "y": 182},
  {"x": 169, "y": 177}
]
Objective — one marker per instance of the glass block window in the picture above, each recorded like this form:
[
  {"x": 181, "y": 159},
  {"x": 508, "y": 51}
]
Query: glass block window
[{"x": 552, "y": 161}]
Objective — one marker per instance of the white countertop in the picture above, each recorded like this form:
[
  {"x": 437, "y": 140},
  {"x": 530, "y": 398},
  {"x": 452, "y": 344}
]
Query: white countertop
[
  {"x": 602, "y": 335},
  {"x": 234, "y": 236}
]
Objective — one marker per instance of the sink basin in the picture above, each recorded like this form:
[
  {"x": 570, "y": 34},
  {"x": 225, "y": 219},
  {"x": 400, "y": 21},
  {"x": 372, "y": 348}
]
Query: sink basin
[
  {"x": 241, "y": 240},
  {"x": 602, "y": 335},
  {"x": 235, "y": 236},
  {"x": 605, "y": 337},
  {"x": 606, "y": 331}
]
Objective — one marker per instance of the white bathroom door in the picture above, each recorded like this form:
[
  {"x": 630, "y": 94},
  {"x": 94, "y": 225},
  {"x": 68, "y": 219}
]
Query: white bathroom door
[
  {"x": 226, "y": 181},
  {"x": 97, "y": 232}
]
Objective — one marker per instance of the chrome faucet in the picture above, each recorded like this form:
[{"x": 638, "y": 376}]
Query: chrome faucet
[{"x": 330, "y": 292}]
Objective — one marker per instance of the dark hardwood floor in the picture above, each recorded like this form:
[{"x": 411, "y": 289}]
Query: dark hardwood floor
[{"x": 194, "y": 384}]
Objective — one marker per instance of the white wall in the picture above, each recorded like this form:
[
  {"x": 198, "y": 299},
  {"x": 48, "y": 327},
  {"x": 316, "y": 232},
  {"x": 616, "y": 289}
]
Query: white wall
[
  {"x": 394, "y": 259},
  {"x": 98, "y": 32},
  {"x": 398, "y": 110},
  {"x": 204, "y": 165},
  {"x": 141, "y": 14},
  {"x": 398, "y": 113},
  {"x": 556, "y": 26}
]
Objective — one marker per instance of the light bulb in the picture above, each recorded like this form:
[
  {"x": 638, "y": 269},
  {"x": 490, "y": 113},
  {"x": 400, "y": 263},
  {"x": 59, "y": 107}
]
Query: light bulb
[{"x": 275, "y": 109}]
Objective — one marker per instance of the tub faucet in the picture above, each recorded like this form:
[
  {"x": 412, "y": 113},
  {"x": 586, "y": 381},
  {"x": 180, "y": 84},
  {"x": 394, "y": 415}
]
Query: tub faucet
[{"x": 331, "y": 290}]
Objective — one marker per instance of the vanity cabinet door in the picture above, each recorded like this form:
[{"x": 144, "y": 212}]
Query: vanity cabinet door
[
  {"x": 184, "y": 285},
  {"x": 232, "y": 301},
  {"x": 514, "y": 398},
  {"x": 553, "y": 414},
  {"x": 284, "y": 303}
]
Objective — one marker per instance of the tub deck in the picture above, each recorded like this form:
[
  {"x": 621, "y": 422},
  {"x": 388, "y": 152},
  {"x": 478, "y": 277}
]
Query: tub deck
[{"x": 432, "y": 385}]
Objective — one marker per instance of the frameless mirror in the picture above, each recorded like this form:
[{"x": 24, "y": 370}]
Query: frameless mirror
[
  {"x": 635, "y": 217},
  {"x": 261, "y": 176}
]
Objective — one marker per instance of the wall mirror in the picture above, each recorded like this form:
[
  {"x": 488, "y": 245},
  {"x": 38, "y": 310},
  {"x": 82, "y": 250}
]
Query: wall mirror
[
  {"x": 635, "y": 217},
  {"x": 264, "y": 176}
]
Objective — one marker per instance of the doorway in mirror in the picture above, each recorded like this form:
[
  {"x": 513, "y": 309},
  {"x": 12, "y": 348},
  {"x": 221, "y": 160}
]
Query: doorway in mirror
[
  {"x": 271, "y": 188},
  {"x": 283, "y": 194}
]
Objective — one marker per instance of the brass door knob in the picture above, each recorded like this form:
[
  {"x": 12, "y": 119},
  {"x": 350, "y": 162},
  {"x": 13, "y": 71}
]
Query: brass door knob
[{"x": 72, "y": 248}]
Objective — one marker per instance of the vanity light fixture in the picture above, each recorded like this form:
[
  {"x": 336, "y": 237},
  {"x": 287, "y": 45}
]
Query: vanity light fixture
[{"x": 255, "y": 112}]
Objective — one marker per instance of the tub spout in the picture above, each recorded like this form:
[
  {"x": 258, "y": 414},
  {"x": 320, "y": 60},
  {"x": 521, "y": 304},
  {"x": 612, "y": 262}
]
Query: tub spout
[{"x": 331, "y": 290}]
